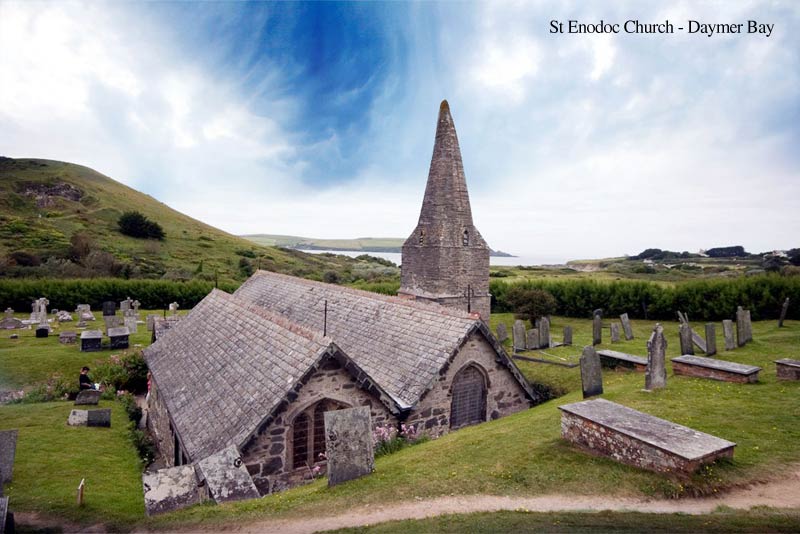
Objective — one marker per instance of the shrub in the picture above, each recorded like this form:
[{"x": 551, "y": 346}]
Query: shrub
[
  {"x": 135, "y": 224},
  {"x": 530, "y": 303},
  {"x": 331, "y": 277},
  {"x": 54, "y": 388},
  {"x": 24, "y": 259},
  {"x": 124, "y": 373}
]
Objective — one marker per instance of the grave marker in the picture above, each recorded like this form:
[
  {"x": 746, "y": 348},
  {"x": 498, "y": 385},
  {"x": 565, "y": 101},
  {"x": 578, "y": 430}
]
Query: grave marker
[
  {"x": 519, "y": 335},
  {"x": 91, "y": 340},
  {"x": 170, "y": 489},
  {"x": 151, "y": 318},
  {"x": 727, "y": 333},
  {"x": 227, "y": 477},
  {"x": 597, "y": 329},
  {"x": 42, "y": 331},
  {"x": 119, "y": 338},
  {"x": 567, "y": 335},
  {"x": 173, "y": 308},
  {"x": 787, "y": 369},
  {"x": 685, "y": 334},
  {"x": 544, "y": 333},
  {"x": 626, "y": 326},
  {"x": 615, "y": 332},
  {"x": 8, "y": 449},
  {"x": 711, "y": 339},
  {"x": 81, "y": 487},
  {"x": 125, "y": 305},
  {"x": 591, "y": 373},
  {"x": 348, "y": 444},
  {"x": 9, "y": 322},
  {"x": 532, "y": 339},
  {"x": 741, "y": 334},
  {"x": 109, "y": 308},
  {"x": 88, "y": 397},
  {"x": 502, "y": 332},
  {"x": 655, "y": 376},
  {"x": 100, "y": 417},
  {"x": 702, "y": 367},
  {"x": 67, "y": 338},
  {"x": 784, "y": 310},
  {"x": 748, "y": 327},
  {"x": 130, "y": 324}
]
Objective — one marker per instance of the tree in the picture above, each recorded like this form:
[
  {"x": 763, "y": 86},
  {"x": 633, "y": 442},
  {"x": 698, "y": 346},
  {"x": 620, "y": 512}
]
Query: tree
[
  {"x": 529, "y": 303},
  {"x": 135, "y": 224}
]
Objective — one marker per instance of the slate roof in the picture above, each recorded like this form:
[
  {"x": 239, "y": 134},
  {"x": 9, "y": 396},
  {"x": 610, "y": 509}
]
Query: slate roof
[
  {"x": 403, "y": 344},
  {"x": 225, "y": 367}
]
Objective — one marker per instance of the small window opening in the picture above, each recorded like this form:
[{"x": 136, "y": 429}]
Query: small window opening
[
  {"x": 465, "y": 238},
  {"x": 421, "y": 236}
]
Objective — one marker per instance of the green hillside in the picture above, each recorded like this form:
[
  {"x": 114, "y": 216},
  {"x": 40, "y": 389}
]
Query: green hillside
[
  {"x": 60, "y": 220},
  {"x": 367, "y": 244}
]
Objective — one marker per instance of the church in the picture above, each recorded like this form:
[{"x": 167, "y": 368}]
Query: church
[{"x": 258, "y": 369}]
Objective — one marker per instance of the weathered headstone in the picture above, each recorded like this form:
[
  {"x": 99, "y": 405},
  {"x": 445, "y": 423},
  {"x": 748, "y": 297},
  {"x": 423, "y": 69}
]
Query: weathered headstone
[
  {"x": 685, "y": 333},
  {"x": 170, "y": 489},
  {"x": 100, "y": 417},
  {"x": 43, "y": 302},
  {"x": 173, "y": 308},
  {"x": 626, "y": 326},
  {"x": 784, "y": 311},
  {"x": 502, "y": 332},
  {"x": 518, "y": 332},
  {"x": 682, "y": 317},
  {"x": 63, "y": 316},
  {"x": 567, "y": 335},
  {"x": 130, "y": 324},
  {"x": 532, "y": 339},
  {"x": 9, "y": 322},
  {"x": 91, "y": 340},
  {"x": 125, "y": 305},
  {"x": 78, "y": 418},
  {"x": 119, "y": 338},
  {"x": 544, "y": 333},
  {"x": 591, "y": 373},
  {"x": 348, "y": 444},
  {"x": 698, "y": 341},
  {"x": 227, "y": 477},
  {"x": 655, "y": 375},
  {"x": 112, "y": 321},
  {"x": 67, "y": 338},
  {"x": 135, "y": 305},
  {"x": 615, "y": 332},
  {"x": 727, "y": 334},
  {"x": 88, "y": 397},
  {"x": 748, "y": 327},
  {"x": 597, "y": 329},
  {"x": 711, "y": 339},
  {"x": 8, "y": 449},
  {"x": 84, "y": 312},
  {"x": 741, "y": 333},
  {"x": 109, "y": 308}
]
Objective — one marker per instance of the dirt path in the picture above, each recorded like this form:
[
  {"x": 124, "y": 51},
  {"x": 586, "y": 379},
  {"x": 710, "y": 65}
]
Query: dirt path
[{"x": 783, "y": 493}]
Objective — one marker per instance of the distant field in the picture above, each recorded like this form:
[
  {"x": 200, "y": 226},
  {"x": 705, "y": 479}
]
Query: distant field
[{"x": 383, "y": 244}]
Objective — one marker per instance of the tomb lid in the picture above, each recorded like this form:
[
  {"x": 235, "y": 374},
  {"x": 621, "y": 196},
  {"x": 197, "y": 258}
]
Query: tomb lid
[
  {"x": 623, "y": 356},
  {"x": 92, "y": 334},
  {"x": 119, "y": 331},
  {"x": 675, "y": 439},
  {"x": 720, "y": 365},
  {"x": 788, "y": 361}
]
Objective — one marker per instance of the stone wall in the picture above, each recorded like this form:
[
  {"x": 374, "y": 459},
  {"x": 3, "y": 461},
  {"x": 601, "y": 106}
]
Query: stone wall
[
  {"x": 159, "y": 425},
  {"x": 504, "y": 394},
  {"x": 268, "y": 457}
]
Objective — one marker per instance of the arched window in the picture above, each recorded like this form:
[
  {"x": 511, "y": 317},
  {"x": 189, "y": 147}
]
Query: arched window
[
  {"x": 308, "y": 433},
  {"x": 421, "y": 236},
  {"x": 465, "y": 238},
  {"x": 468, "y": 405}
]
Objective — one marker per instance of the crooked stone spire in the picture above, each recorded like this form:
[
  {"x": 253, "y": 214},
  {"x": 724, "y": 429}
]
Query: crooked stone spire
[{"x": 445, "y": 259}]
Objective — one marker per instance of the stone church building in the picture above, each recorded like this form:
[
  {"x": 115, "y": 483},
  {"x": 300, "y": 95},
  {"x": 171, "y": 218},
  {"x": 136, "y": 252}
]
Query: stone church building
[{"x": 257, "y": 369}]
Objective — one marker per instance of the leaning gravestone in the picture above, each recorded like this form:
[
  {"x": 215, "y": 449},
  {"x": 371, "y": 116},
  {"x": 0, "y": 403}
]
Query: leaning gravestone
[
  {"x": 544, "y": 333},
  {"x": 8, "y": 449},
  {"x": 532, "y": 339},
  {"x": 109, "y": 308},
  {"x": 170, "y": 489},
  {"x": 227, "y": 477},
  {"x": 784, "y": 311},
  {"x": 597, "y": 328},
  {"x": 348, "y": 444},
  {"x": 741, "y": 332},
  {"x": 655, "y": 375},
  {"x": 685, "y": 332},
  {"x": 88, "y": 397},
  {"x": 711, "y": 339},
  {"x": 567, "y": 335},
  {"x": 615, "y": 332},
  {"x": 727, "y": 333},
  {"x": 591, "y": 373},
  {"x": 502, "y": 332},
  {"x": 519, "y": 335},
  {"x": 626, "y": 326}
]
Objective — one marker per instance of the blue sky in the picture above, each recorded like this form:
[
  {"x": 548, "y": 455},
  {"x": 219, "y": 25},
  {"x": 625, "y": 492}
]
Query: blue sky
[{"x": 317, "y": 119}]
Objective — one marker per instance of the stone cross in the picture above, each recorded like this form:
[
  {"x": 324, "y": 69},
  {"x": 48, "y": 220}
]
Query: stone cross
[
  {"x": 711, "y": 339},
  {"x": 348, "y": 444},
  {"x": 597, "y": 328},
  {"x": 544, "y": 333},
  {"x": 626, "y": 326},
  {"x": 784, "y": 310},
  {"x": 173, "y": 308},
  {"x": 741, "y": 332},
  {"x": 43, "y": 302},
  {"x": 727, "y": 333},
  {"x": 519, "y": 335},
  {"x": 615, "y": 332},
  {"x": 591, "y": 374},
  {"x": 136, "y": 305},
  {"x": 532, "y": 339},
  {"x": 655, "y": 375},
  {"x": 567, "y": 335},
  {"x": 685, "y": 332},
  {"x": 502, "y": 332}
]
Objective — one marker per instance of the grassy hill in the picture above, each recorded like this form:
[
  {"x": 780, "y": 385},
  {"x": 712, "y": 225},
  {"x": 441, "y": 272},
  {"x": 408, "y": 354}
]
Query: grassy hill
[
  {"x": 44, "y": 203},
  {"x": 367, "y": 244}
]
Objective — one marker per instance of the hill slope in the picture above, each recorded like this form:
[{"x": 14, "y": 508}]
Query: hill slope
[{"x": 44, "y": 203}]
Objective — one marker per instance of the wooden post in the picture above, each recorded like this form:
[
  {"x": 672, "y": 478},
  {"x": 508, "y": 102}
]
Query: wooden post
[{"x": 80, "y": 491}]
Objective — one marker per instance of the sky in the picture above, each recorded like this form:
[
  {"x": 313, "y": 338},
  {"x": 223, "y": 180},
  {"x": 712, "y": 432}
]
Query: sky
[{"x": 318, "y": 119}]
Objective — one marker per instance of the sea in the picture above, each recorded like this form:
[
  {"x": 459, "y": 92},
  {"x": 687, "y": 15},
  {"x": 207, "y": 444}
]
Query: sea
[{"x": 395, "y": 257}]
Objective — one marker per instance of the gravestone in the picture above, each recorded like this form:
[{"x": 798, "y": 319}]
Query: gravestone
[
  {"x": 597, "y": 329},
  {"x": 9, "y": 322},
  {"x": 741, "y": 333},
  {"x": 348, "y": 444},
  {"x": 7, "y": 525},
  {"x": 67, "y": 338},
  {"x": 81, "y": 324},
  {"x": 698, "y": 341},
  {"x": 109, "y": 308},
  {"x": 518, "y": 331},
  {"x": 100, "y": 417},
  {"x": 88, "y": 397},
  {"x": 63, "y": 316},
  {"x": 43, "y": 302},
  {"x": 567, "y": 335},
  {"x": 42, "y": 331},
  {"x": 702, "y": 367},
  {"x": 84, "y": 312},
  {"x": 685, "y": 333},
  {"x": 591, "y": 373},
  {"x": 711, "y": 339},
  {"x": 532, "y": 339},
  {"x": 615, "y": 332},
  {"x": 78, "y": 418},
  {"x": 173, "y": 308},
  {"x": 748, "y": 327},
  {"x": 91, "y": 340},
  {"x": 655, "y": 375},
  {"x": 8, "y": 449},
  {"x": 727, "y": 333},
  {"x": 135, "y": 305},
  {"x": 682, "y": 317},
  {"x": 130, "y": 324},
  {"x": 784, "y": 311},
  {"x": 544, "y": 333},
  {"x": 626, "y": 326},
  {"x": 151, "y": 318},
  {"x": 119, "y": 337},
  {"x": 125, "y": 305},
  {"x": 787, "y": 369},
  {"x": 502, "y": 332},
  {"x": 170, "y": 489},
  {"x": 112, "y": 321},
  {"x": 227, "y": 477}
]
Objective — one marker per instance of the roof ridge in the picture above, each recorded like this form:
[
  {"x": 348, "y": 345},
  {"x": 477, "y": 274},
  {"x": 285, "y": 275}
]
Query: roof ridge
[{"x": 423, "y": 306}]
